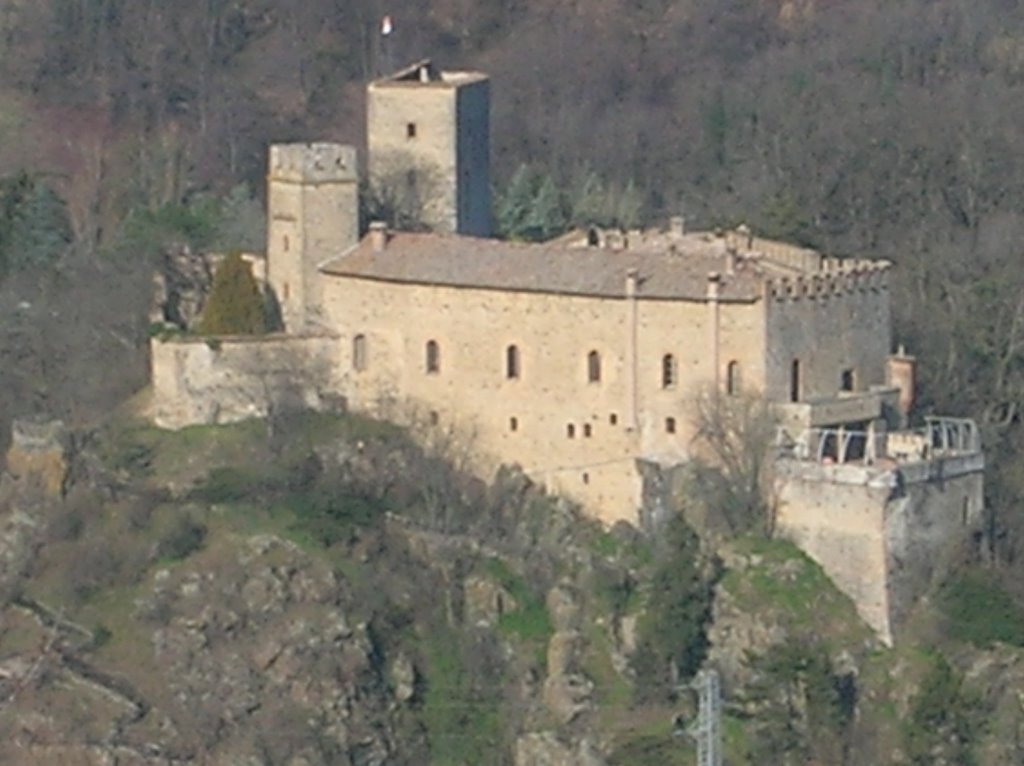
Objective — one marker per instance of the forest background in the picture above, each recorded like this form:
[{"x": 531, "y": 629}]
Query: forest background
[{"x": 885, "y": 128}]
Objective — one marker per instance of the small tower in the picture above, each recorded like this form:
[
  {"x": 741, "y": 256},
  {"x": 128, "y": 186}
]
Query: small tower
[
  {"x": 428, "y": 134},
  {"x": 312, "y": 216}
]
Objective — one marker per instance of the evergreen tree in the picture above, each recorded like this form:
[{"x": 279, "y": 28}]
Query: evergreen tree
[
  {"x": 235, "y": 305},
  {"x": 34, "y": 225}
]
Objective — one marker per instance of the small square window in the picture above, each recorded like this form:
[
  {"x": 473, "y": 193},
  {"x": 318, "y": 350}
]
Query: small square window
[{"x": 410, "y": 130}]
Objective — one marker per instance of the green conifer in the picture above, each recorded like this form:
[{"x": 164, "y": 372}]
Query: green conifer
[{"x": 235, "y": 305}]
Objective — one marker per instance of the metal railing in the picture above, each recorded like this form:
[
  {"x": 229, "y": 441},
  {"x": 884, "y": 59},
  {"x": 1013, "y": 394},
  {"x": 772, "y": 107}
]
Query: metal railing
[{"x": 939, "y": 437}]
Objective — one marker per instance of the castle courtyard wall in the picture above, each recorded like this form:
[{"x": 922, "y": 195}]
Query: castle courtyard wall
[{"x": 224, "y": 380}]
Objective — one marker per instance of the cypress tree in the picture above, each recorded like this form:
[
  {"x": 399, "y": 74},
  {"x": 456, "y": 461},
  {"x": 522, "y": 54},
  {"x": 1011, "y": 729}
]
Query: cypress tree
[{"x": 235, "y": 305}]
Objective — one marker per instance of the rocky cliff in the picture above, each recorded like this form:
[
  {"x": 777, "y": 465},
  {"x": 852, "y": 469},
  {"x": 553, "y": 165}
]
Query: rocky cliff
[{"x": 322, "y": 591}]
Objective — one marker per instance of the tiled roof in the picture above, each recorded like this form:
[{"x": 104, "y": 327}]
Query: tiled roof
[{"x": 679, "y": 272}]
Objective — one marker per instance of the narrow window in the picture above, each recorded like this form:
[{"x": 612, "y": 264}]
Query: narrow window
[
  {"x": 593, "y": 239},
  {"x": 594, "y": 367},
  {"x": 794, "y": 381},
  {"x": 613, "y": 419},
  {"x": 433, "y": 357},
  {"x": 570, "y": 431},
  {"x": 732, "y": 378},
  {"x": 668, "y": 371},
  {"x": 286, "y": 243},
  {"x": 410, "y": 130},
  {"x": 512, "y": 362},
  {"x": 359, "y": 353},
  {"x": 847, "y": 380},
  {"x": 513, "y": 424},
  {"x": 670, "y": 425},
  {"x": 587, "y": 430},
  {"x": 434, "y": 418},
  {"x": 286, "y": 292},
  {"x": 586, "y": 478}
]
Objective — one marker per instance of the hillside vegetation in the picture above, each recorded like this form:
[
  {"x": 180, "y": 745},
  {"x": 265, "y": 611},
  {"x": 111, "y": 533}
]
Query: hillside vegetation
[{"x": 330, "y": 593}]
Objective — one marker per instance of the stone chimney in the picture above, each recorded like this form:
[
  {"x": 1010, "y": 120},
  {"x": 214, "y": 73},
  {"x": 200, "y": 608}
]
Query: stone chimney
[
  {"x": 378, "y": 236},
  {"x": 901, "y": 373}
]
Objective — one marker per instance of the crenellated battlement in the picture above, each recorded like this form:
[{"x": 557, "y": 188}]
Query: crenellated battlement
[
  {"x": 832, "y": 281},
  {"x": 313, "y": 163}
]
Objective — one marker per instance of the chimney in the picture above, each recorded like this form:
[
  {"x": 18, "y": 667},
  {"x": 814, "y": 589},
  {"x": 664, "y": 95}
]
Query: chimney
[
  {"x": 714, "y": 283},
  {"x": 632, "y": 280},
  {"x": 378, "y": 236},
  {"x": 746, "y": 235},
  {"x": 901, "y": 373},
  {"x": 677, "y": 226}
]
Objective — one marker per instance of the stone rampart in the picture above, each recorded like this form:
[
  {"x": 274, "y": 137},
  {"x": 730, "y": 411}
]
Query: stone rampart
[
  {"x": 883, "y": 534},
  {"x": 222, "y": 380}
]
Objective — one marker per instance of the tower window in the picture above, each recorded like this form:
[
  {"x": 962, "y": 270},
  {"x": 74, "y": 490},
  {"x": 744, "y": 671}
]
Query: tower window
[
  {"x": 586, "y": 478},
  {"x": 513, "y": 424},
  {"x": 613, "y": 419},
  {"x": 570, "y": 431},
  {"x": 794, "y": 381},
  {"x": 668, "y": 371},
  {"x": 593, "y": 367},
  {"x": 512, "y": 362},
  {"x": 587, "y": 430},
  {"x": 359, "y": 353},
  {"x": 285, "y": 243},
  {"x": 410, "y": 130},
  {"x": 670, "y": 425},
  {"x": 732, "y": 378},
  {"x": 434, "y": 418},
  {"x": 433, "y": 357},
  {"x": 847, "y": 380}
]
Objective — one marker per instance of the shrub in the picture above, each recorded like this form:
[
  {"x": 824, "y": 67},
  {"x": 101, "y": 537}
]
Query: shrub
[
  {"x": 235, "y": 305},
  {"x": 184, "y": 538},
  {"x": 979, "y": 611}
]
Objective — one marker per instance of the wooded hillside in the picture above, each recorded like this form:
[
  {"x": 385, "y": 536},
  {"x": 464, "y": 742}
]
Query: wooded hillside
[{"x": 883, "y": 128}]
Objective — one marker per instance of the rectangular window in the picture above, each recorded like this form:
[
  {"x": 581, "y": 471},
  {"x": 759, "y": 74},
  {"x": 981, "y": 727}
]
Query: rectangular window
[
  {"x": 847, "y": 380},
  {"x": 410, "y": 130}
]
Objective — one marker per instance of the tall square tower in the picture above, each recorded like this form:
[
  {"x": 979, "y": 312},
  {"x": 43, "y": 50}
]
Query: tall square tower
[
  {"x": 428, "y": 134},
  {"x": 312, "y": 216}
]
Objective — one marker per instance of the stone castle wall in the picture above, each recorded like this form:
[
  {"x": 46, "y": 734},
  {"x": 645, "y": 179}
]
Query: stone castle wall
[
  {"x": 830, "y": 323},
  {"x": 229, "y": 379},
  {"x": 882, "y": 534}
]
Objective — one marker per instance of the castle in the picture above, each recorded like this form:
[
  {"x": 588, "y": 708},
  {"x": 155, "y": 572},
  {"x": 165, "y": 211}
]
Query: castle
[{"x": 580, "y": 358}]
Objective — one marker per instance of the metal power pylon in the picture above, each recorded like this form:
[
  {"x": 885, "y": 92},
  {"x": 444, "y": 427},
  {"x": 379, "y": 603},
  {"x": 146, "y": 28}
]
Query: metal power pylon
[{"x": 707, "y": 731}]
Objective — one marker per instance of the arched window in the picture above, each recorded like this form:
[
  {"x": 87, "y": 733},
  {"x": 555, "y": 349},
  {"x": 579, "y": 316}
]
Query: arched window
[
  {"x": 593, "y": 367},
  {"x": 433, "y": 357},
  {"x": 512, "y": 362},
  {"x": 570, "y": 431},
  {"x": 668, "y": 371},
  {"x": 794, "y": 381},
  {"x": 359, "y": 353},
  {"x": 587, "y": 430},
  {"x": 732, "y": 378}
]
